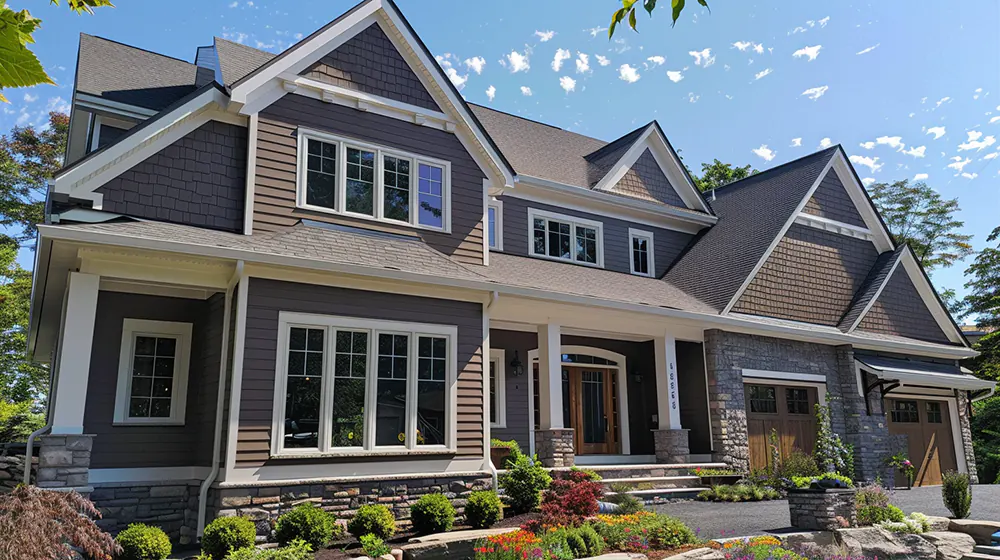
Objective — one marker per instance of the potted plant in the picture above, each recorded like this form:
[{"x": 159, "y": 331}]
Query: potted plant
[
  {"x": 904, "y": 467},
  {"x": 502, "y": 451},
  {"x": 717, "y": 477}
]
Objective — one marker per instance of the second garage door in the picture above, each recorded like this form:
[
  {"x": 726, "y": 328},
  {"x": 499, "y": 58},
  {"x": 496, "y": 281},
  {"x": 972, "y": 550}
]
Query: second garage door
[
  {"x": 927, "y": 426},
  {"x": 786, "y": 409}
]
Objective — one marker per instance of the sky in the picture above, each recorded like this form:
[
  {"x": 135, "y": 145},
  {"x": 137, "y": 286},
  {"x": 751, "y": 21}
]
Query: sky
[{"x": 910, "y": 89}]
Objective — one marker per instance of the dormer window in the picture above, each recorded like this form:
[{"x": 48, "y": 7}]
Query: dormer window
[
  {"x": 565, "y": 238},
  {"x": 641, "y": 252},
  {"x": 341, "y": 176}
]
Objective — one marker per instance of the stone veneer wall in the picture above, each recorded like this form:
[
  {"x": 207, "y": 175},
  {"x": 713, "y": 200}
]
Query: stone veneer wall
[
  {"x": 869, "y": 434},
  {"x": 966, "y": 430},
  {"x": 555, "y": 447},
  {"x": 819, "y": 510},
  {"x": 64, "y": 461},
  {"x": 672, "y": 446},
  {"x": 12, "y": 471},
  {"x": 170, "y": 505}
]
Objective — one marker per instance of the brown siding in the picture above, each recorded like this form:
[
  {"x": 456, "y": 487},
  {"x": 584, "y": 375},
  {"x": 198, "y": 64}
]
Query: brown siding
[
  {"x": 645, "y": 180},
  {"x": 832, "y": 201},
  {"x": 269, "y": 297},
  {"x": 154, "y": 446},
  {"x": 811, "y": 276},
  {"x": 899, "y": 310},
  {"x": 199, "y": 180},
  {"x": 617, "y": 252},
  {"x": 370, "y": 63},
  {"x": 274, "y": 193}
]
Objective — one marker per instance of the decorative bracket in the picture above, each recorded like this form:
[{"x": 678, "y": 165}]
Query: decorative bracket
[{"x": 884, "y": 386}]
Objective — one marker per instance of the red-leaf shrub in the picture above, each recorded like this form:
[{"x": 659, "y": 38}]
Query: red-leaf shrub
[
  {"x": 570, "y": 499},
  {"x": 38, "y": 524}
]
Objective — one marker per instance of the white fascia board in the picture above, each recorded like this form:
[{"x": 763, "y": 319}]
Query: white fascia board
[
  {"x": 707, "y": 320},
  {"x": 880, "y": 235},
  {"x": 930, "y": 298},
  {"x": 943, "y": 380},
  {"x": 87, "y": 101},
  {"x": 875, "y": 297}
]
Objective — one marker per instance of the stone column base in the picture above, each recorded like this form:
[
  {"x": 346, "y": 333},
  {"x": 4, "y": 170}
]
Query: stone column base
[
  {"x": 64, "y": 462},
  {"x": 555, "y": 447},
  {"x": 672, "y": 446}
]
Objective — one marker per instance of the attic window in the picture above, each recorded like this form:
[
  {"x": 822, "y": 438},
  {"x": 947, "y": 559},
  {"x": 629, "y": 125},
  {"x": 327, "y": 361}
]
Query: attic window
[{"x": 565, "y": 238}]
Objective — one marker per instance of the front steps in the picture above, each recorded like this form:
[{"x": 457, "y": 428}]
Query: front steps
[{"x": 653, "y": 483}]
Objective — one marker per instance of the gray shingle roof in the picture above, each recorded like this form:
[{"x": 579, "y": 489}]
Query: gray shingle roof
[
  {"x": 130, "y": 75},
  {"x": 876, "y": 278},
  {"x": 721, "y": 257},
  {"x": 237, "y": 60}
]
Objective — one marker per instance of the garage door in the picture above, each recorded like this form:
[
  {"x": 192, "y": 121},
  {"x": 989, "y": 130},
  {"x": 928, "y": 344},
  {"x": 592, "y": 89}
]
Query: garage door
[
  {"x": 788, "y": 410},
  {"x": 927, "y": 425}
]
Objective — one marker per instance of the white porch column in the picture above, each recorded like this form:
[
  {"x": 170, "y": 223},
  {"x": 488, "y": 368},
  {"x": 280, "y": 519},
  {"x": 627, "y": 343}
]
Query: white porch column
[
  {"x": 667, "y": 406},
  {"x": 550, "y": 377},
  {"x": 73, "y": 367}
]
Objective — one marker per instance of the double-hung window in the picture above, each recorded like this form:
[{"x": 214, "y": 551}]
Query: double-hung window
[
  {"x": 494, "y": 224},
  {"x": 566, "y": 238},
  {"x": 498, "y": 389},
  {"x": 153, "y": 372},
  {"x": 343, "y": 176},
  {"x": 641, "y": 252},
  {"x": 358, "y": 386}
]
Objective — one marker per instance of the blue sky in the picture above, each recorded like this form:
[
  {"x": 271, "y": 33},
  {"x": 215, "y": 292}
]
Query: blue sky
[{"x": 909, "y": 88}]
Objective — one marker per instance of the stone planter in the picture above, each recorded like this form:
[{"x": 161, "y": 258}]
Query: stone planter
[
  {"x": 821, "y": 510},
  {"x": 499, "y": 456}
]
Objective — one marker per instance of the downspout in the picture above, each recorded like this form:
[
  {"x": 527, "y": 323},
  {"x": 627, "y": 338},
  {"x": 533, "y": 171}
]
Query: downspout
[
  {"x": 494, "y": 295},
  {"x": 220, "y": 401},
  {"x": 53, "y": 380}
]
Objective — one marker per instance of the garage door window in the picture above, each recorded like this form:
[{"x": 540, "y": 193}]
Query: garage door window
[
  {"x": 934, "y": 413},
  {"x": 798, "y": 401},
  {"x": 763, "y": 399},
  {"x": 905, "y": 412}
]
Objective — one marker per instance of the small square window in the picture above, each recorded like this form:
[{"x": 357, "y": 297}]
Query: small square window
[
  {"x": 934, "y": 413},
  {"x": 905, "y": 412},
  {"x": 797, "y": 401},
  {"x": 763, "y": 399}
]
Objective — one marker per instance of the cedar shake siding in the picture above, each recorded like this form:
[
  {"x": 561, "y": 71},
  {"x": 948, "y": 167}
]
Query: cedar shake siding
[
  {"x": 369, "y": 63},
  {"x": 274, "y": 192},
  {"x": 811, "y": 276},
  {"x": 154, "y": 446},
  {"x": 199, "y": 180},
  {"x": 832, "y": 201},
  {"x": 646, "y": 181},
  {"x": 266, "y": 298},
  {"x": 899, "y": 310},
  {"x": 667, "y": 243}
]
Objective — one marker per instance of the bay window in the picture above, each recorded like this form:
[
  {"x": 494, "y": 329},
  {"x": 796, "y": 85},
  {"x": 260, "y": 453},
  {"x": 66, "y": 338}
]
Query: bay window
[{"x": 566, "y": 238}]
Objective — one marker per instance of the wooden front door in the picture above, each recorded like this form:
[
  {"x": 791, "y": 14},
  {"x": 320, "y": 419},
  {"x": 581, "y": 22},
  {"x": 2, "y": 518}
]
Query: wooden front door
[
  {"x": 930, "y": 445},
  {"x": 788, "y": 410},
  {"x": 589, "y": 407}
]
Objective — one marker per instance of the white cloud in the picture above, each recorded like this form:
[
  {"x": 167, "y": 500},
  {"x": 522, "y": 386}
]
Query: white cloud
[
  {"x": 867, "y": 181},
  {"x": 869, "y": 162},
  {"x": 937, "y": 131},
  {"x": 798, "y": 29},
  {"x": 518, "y": 62},
  {"x": 796, "y": 142},
  {"x": 491, "y": 92},
  {"x": 763, "y": 152},
  {"x": 568, "y": 84},
  {"x": 628, "y": 73},
  {"x": 917, "y": 152},
  {"x": 476, "y": 64},
  {"x": 544, "y": 36},
  {"x": 974, "y": 142},
  {"x": 825, "y": 143},
  {"x": 28, "y": 98},
  {"x": 57, "y": 104},
  {"x": 561, "y": 56},
  {"x": 958, "y": 164},
  {"x": 703, "y": 58},
  {"x": 868, "y": 145},
  {"x": 824, "y": 21},
  {"x": 869, "y": 49},
  {"x": 816, "y": 92},
  {"x": 920, "y": 176},
  {"x": 582, "y": 63},
  {"x": 656, "y": 60},
  {"x": 762, "y": 73},
  {"x": 970, "y": 175},
  {"x": 942, "y": 101},
  {"x": 595, "y": 30},
  {"x": 811, "y": 52},
  {"x": 675, "y": 75},
  {"x": 233, "y": 4},
  {"x": 991, "y": 155},
  {"x": 742, "y": 45},
  {"x": 526, "y": 91},
  {"x": 602, "y": 60},
  {"x": 995, "y": 119},
  {"x": 894, "y": 142},
  {"x": 759, "y": 48},
  {"x": 692, "y": 97},
  {"x": 456, "y": 78}
]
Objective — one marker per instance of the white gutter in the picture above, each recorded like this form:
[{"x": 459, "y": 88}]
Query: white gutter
[
  {"x": 487, "y": 436},
  {"x": 220, "y": 401}
]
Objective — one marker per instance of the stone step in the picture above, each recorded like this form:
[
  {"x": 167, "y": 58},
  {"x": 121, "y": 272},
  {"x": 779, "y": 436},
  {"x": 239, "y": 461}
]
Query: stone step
[
  {"x": 654, "y": 482},
  {"x": 661, "y": 495},
  {"x": 987, "y": 550},
  {"x": 645, "y": 471}
]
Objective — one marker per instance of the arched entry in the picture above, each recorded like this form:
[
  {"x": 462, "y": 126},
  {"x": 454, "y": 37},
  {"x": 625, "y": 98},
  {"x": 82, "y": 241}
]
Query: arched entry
[{"x": 588, "y": 374}]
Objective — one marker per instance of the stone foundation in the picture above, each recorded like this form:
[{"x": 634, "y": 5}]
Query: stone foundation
[
  {"x": 965, "y": 428},
  {"x": 555, "y": 447},
  {"x": 64, "y": 462},
  {"x": 170, "y": 505},
  {"x": 672, "y": 446},
  {"x": 819, "y": 510},
  {"x": 12, "y": 472}
]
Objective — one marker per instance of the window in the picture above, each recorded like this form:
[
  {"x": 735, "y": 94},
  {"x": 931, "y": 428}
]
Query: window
[
  {"x": 494, "y": 224},
  {"x": 342, "y": 176},
  {"x": 763, "y": 399},
  {"x": 498, "y": 389},
  {"x": 153, "y": 372},
  {"x": 565, "y": 238},
  {"x": 361, "y": 386},
  {"x": 905, "y": 412},
  {"x": 797, "y": 401},
  {"x": 934, "y": 413},
  {"x": 641, "y": 246}
]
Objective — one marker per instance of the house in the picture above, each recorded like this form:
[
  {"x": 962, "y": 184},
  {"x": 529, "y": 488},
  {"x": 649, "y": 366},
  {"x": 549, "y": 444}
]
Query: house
[{"x": 324, "y": 274}]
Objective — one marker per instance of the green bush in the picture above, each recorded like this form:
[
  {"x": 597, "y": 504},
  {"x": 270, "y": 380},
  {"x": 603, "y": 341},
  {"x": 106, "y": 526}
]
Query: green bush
[
  {"x": 524, "y": 482},
  {"x": 374, "y": 547},
  {"x": 799, "y": 464},
  {"x": 372, "y": 519},
  {"x": 870, "y": 515},
  {"x": 483, "y": 509},
  {"x": 742, "y": 492},
  {"x": 627, "y": 503},
  {"x": 589, "y": 472},
  {"x": 806, "y": 481},
  {"x": 296, "y": 550},
  {"x": 957, "y": 494},
  {"x": 307, "y": 523},
  {"x": 142, "y": 542},
  {"x": 433, "y": 513},
  {"x": 18, "y": 420},
  {"x": 913, "y": 524},
  {"x": 594, "y": 542},
  {"x": 670, "y": 532},
  {"x": 227, "y": 534}
]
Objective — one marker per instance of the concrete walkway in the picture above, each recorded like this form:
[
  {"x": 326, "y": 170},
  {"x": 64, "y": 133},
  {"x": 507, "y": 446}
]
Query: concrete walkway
[{"x": 715, "y": 520}]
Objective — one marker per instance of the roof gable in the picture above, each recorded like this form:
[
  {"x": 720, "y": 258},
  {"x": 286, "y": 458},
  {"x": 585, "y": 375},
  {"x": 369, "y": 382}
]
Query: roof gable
[
  {"x": 832, "y": 201},
  {"x": 237, "y": 60},
  {"x": 645, "y": 180}
]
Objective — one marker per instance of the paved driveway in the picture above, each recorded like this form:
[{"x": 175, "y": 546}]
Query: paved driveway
[{"x": 714, "y": 520}]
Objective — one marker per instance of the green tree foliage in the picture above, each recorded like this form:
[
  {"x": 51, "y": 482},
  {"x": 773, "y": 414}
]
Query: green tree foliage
[
  {"x": 718, "y": 174},
  {"x": 28, "y": 159},
  {"x": 916, "y": 214},
  {"x": 983, "y": 299},
  {"x": 20, "y": 380},
  {"x": 628, "y": 9},
  {"x": 986, "y": 439}
]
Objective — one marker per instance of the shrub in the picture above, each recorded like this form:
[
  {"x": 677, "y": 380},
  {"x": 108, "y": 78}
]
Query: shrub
[
  {"x": 570, "y": 498},
  {"x": 914, "y": 524},
  {"x": 591, "y": 473},
  {"x": 374, "y": 547},
  {"x": 669, "y": 532},
  {"x": 798, "y": 464},
  {"x": 593, "y": 541},
  {"x": 524, "y": 482},
  {"x": 433, "y": 513},
  {"x": 307, "y": 523},
  {"x": 871, "y": 495},
  {"x": 713, "y": 472},
  {"x": 142, "y": 542},
  {"x": 515, "y": 449},
  {"x": 18, "y": 420},
  {"x": 872, "y": 515},
  {"x": 957, "y": 494},
  {"x": 227, "y": 534},
  {"x": 296, "y": 550},
  {"x": 483, "y": 509},
  {"x": 832, "y": 454},
  {"x": 38, "y": 524},
  {"x": 806, "y": 481},
  {"x": 742, "y": 492},
  {"x": 372, "y": 519},
  {"x": 627, "y": 503},
  {"x": 660, "y": 531}
]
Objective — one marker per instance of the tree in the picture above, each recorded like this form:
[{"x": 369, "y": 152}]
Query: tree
[
  {"x": 983, "y": 299},
  {"x": 19, "y": 67},
  {"x": 916, "y": 214},
  {"x": 628, "y": 9},
  {"x": 28, "y": 159},
  {"x": 20, "y": 380},
  {"x": 717, "y": 174}
]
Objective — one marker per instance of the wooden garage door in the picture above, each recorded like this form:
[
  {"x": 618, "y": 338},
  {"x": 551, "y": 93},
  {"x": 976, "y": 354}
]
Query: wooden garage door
[
  {"x": 927, "y": 425},
  {"x": 789, "y": 410}
]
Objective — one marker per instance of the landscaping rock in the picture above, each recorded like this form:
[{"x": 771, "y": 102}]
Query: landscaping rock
[
  {"x": 618, "y": 556},
  {"x": 699, "y": 554},
  {"x": 819, "y": 543},
  {"x": 950, "y": 546},
  {"x": 980, "y": 530},
  {"x": 938, "y": 524},
  {"x": 874, "y": 542}
]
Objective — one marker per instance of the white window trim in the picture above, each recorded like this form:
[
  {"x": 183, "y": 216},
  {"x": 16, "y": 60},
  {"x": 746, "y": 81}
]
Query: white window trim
[
  {"x": 286, "y": 320},
  {"x": 650, "y": 250},
  {"x": 574, "y": 222},
  {"x": 340, "y": 181},
  {"x": 499, "y": 356},
  {"x": 182, "y": 362},
  {"x": 497, "y": 206}
]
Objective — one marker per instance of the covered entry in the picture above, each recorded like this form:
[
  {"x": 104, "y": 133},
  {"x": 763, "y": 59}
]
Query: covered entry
[{"x": 786, "y": 409}]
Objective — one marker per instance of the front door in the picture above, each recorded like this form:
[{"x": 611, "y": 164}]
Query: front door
[
  {"x": 589, "y": 407},
  {"x": 927, "y": 427}
]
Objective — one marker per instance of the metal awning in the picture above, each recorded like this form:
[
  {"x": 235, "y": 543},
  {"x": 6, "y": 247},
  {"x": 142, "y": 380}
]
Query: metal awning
[{"x": 908, "y": 372}]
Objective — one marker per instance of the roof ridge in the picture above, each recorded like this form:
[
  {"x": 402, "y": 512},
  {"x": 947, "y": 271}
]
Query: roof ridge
[
  {"x": 167, "y": 56},
  {"x": 600, "y": 152},
  {"x": 774, "y": 169}
]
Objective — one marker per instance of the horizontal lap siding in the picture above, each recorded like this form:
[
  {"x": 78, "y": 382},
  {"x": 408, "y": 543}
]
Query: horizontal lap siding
[
  {"x": 274, "y": 190},
  {"x": 267, "y": 298},
  {"x": 667, "y": 244}
]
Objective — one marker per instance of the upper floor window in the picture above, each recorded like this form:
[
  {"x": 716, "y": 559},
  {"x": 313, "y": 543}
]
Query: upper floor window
[
  {"x": 356, "y": 179},
  {"x": 641, "y": 251},
  {"x": 566, "y": 238},
  {"x": 153, "y": 372},
  {"x": 494, "y": 224}
]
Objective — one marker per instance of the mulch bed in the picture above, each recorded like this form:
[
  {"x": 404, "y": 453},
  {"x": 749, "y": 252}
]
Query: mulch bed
[
  {"x": 516, "y": 520},
  {"x": 661, "y": 554}
]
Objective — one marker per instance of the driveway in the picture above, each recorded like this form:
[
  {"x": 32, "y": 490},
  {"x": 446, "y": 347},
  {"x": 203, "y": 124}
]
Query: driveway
[{"x": 718, "y": 519}]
